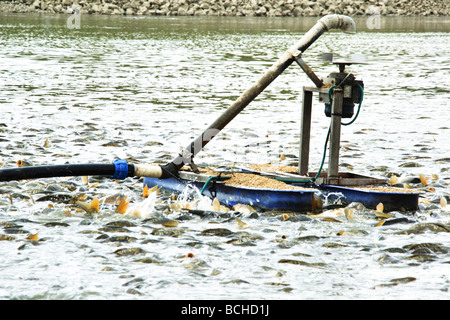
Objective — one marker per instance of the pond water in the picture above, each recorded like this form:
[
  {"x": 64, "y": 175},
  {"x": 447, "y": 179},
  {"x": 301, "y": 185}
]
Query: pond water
[{"x": 140, "y": 88}]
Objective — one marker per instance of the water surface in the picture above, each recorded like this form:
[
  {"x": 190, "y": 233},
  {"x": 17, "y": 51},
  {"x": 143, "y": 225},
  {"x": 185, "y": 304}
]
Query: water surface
[{"x": 140, "y": 88}]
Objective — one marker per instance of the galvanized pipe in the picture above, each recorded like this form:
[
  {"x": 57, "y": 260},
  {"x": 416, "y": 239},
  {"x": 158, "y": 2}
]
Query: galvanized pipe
[{"x": 345, "y": 23}]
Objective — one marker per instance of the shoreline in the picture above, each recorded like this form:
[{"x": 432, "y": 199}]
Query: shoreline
[{"x": 245, "y": 8}]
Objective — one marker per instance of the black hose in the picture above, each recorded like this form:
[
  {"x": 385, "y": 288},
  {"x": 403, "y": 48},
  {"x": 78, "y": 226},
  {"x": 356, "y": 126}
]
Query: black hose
[{"x": 65, "y": 170}]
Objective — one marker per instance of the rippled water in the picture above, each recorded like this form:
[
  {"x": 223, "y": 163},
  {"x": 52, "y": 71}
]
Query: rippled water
[{"x": 142, "y": 88}]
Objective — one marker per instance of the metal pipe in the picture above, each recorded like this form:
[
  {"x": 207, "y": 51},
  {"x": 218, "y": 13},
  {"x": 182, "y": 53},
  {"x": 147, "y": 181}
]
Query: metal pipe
[{"x": 335, "y": 21}]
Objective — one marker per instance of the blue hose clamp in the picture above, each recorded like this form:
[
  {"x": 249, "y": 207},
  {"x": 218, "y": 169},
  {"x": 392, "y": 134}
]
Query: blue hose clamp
[{"x": 121, "y": 169}]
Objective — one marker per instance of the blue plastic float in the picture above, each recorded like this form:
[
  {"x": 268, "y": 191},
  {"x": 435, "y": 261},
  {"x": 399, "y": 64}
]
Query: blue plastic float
[{"x": 290, "y": 200}]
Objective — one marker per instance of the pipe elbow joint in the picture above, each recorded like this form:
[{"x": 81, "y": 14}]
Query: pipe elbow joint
[{"x": 339, "y": 21}]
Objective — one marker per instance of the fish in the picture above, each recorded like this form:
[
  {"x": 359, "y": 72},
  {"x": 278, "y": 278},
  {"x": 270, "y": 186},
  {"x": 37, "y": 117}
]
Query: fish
[
  {"x": 4, "y": 237},
  {"x": 345, "y": 233},
  {"x": 47, "y": 143},
  {"x": 329, "y": 214},
  {"x": 222, "y": 232},
  {"x": 189, "y": 205},
  {"x": 56, "y": 224},
  {"x": 122, "y": 239},
  {"x": 121, "y": 224},
  {"x": 91, "y": 207},
  {"x": 149, "y": 260},
  {"x": 33, "y": 236},
  {"x": 94, "y": 185},
  {"x": 403, "y": 280},
  {"x": 215, "y": 204},
  {"x": 425, "y": 202},
  {"x": 170, "y": 224},
  {"x": 424, "y": 227},
  {"x": 393, "y": 180},
  {"x": 244, "y": 208},
  {"x": 169, "y": 232},
  {"x": 383, "y": 215},
  {"x": 330, "y": 219},
  {"x": 129, "y": 251},
  {"x": 94, "y": 205},
  {"x": 443, "y": 203},
  {"x": 349, "y": 213},
  {"x": 303, "y": 263},
  {"x": 111, "y": 199},
  {"x": 334, "y": 245},
  {"x": 123, "y": 206},
  {"x": 241, "y": 224},
  {"x": 423, "y": 179},
  {"x": 379, "y": 224},
  {"x": 23, "y": 163},
  {"x": 146, "y": 192},
  {"x": 380, "y": 207},
  {"x": 397, "y": 281},
  {"x": 144, "y": 208},
  {"x": 433, "y": 247}
]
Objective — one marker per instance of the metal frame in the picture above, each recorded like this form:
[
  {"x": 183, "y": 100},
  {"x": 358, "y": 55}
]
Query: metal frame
[{"x": 333, "y": 176}]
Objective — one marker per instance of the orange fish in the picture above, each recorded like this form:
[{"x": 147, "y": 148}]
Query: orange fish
[
  {"x": 423, "y": 179},
  {"x": 393, "y": 180},
  {"x": 123, "y": 205},
  {"x": 380, "y": 207},
  {"x": 33, "y": 236},
  {"x": 91, "y": 207},
  {"x": 379, "y": 224},
  {"x": 147, "y": 191}
]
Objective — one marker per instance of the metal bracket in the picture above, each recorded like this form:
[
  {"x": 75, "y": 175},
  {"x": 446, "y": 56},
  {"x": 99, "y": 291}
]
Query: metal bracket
[
  {"x": 187, "y": 156},
  {"x": 194, "y": 167},
  {"x": 307, "y": 69}
]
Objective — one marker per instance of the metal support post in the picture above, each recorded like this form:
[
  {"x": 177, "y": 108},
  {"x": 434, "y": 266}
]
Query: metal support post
[
  {"x": 335, "y": 136},
  {"x": 305, "y": 132}
]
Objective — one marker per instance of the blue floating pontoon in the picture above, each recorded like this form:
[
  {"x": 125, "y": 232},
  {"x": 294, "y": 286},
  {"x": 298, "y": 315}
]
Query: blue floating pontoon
[
  {"x": 267, "y": 199},
  {"x": 290, "y": 200},
  {"x": 392, "y": 201}
]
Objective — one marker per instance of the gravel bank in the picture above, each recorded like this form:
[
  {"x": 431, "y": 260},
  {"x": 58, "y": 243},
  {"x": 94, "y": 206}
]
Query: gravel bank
[{"x": 267, "y": 8}]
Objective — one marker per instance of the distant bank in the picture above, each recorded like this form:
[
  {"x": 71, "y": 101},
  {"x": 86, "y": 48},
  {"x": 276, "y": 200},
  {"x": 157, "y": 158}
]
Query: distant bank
[{"x": 266, "y": 8}]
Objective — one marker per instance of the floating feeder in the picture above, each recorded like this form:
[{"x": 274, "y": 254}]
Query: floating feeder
[{"x": 340, "y": 91}]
